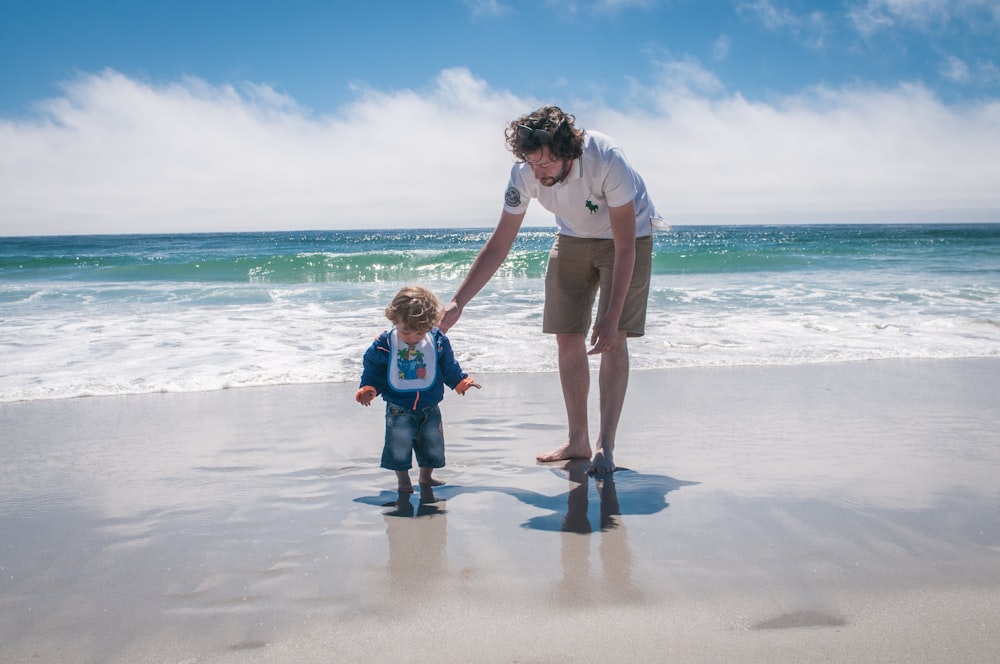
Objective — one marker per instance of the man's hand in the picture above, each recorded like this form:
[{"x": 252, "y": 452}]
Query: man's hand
[
  {"x": 452, "y": 312},
  {"x": 605, "y": 336},
  {"x": 365, "y": 395}
]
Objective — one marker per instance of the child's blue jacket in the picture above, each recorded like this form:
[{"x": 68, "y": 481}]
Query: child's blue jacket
[{"x": 378, "y": 362}]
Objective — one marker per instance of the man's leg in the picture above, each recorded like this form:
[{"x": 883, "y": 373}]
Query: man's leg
[
  {"x": 574, "y": 374},
  {"x": 613, "y": 383}
]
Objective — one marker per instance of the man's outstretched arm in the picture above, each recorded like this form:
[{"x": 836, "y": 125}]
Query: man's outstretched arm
[{"x": 489, "y": 260}]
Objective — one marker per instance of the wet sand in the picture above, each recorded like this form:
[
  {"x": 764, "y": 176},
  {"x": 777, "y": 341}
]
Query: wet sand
[{"x": 818, "y": 513}]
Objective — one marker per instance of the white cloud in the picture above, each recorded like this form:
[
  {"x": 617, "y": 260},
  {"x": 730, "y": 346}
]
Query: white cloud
[
  {"x": 956, "y": 69},
  {"x": 114, "y": 154},
  {"x": 721, "y": 47},
  {"x": 566, "y": 8},
  {"x": 772, "y": 16},
  {"x": 872, "y": 16},
  {"x": 487, "y": 7},
  {"x": 869, "y": 19},
  {"x": 823, "y": 156},
  {"x": 983, "y": 73},
  {"x": 875, "y": 15},
  {"x": 619, "y": 5},
  {"x": 988, "y": 72},
  {"x": 686, "y": 76},
  {"x": 810, "y": 28}
]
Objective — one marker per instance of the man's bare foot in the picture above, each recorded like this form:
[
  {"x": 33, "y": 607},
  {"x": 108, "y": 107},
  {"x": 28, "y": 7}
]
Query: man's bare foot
[
  {"x": 603, "y": 463},
  {"x": 566, "y": 452},
  {"x": 406, "y": 487},
  {"x": 430, "y": 482}
]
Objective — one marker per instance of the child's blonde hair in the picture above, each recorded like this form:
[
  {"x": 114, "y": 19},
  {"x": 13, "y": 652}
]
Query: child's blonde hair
[{"x": 415, "y": 308}]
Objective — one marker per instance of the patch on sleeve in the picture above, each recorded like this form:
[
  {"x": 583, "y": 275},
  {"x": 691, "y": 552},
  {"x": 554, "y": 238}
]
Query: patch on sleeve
[{"x": 513, "y": 197}]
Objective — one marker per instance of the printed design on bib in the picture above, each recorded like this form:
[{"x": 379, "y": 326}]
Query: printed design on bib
[
  {"x": 411, "y": 365},
  {"x": 412, "y": 368}
]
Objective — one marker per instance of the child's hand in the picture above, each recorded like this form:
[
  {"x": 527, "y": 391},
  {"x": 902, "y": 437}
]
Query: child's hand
[
  {"x": 365, "y": 395},
  {"x": 464, "y": 385}
]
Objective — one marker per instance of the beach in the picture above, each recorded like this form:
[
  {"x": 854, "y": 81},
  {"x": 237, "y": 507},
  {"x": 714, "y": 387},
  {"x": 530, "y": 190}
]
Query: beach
[{"x": 811, "y": 513}]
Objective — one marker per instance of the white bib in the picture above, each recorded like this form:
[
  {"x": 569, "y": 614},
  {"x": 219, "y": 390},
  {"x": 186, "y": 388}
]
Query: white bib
[{"x": 412, "y": 368}]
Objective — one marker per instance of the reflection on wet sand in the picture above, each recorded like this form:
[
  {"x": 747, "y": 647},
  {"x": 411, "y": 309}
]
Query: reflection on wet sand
[
  {"x": 418, "y": 546},
  {"x": 578, "y": 585},
  {"x": 418, "y": 542},
  {"x": 643, "y": 494},
  {"x": 626, "y": 492}
]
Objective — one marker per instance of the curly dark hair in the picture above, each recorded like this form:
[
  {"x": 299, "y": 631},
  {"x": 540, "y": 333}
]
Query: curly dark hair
[
  {"x": 415, "y": 308},
  {"x": 548, "y": 125}
]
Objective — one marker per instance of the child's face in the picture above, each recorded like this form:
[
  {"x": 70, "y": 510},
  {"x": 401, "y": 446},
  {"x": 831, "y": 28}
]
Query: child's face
[{"x": 408, "y": 336}]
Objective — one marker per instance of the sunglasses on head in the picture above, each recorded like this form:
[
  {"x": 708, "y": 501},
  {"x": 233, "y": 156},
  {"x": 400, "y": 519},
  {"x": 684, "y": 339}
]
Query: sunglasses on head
[{"x": 539, "y": 136}]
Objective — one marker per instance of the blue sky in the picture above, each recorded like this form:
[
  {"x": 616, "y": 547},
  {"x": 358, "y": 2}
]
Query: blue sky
[{"x": 154, "y": 116}]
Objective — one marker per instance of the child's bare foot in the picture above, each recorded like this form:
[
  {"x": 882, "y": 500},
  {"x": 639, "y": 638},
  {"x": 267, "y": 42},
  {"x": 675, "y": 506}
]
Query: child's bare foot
[
  {"x": 426, "y": 479},
  {"x": 565, "y": 452},
  {"x": 403, "y": 483}
]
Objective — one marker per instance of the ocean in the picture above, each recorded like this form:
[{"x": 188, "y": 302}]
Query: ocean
[{"x": 108, "y": 315}]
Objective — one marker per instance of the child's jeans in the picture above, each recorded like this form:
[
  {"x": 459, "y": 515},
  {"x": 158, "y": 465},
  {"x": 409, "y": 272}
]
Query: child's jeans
[{"x": 409, "y": 432}]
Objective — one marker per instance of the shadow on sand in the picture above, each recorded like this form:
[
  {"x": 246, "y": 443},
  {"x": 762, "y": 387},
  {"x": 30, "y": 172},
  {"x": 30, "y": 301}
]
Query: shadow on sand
[{"x": 625, "y": 492}]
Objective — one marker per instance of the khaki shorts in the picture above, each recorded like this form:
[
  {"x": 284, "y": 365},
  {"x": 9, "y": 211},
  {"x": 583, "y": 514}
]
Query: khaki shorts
[{"x": 578, "y": 268}]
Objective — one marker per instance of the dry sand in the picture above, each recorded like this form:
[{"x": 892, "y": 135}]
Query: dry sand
[{"x": 829, "y": 513}]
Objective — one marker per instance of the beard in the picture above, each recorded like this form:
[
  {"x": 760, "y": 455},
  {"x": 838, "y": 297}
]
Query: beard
[{"x": 548, "y": 181}]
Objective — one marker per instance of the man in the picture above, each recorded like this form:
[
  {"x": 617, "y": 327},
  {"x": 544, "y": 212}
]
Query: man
[{"x": 604, "y": 244}]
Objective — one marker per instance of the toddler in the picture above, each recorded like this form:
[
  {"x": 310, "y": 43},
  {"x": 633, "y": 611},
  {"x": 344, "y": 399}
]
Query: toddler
[{"x": 409, "y": 366}]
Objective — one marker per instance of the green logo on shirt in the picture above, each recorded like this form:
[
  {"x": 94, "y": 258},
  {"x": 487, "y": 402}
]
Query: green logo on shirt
[{"x": 591, "y": 207}]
